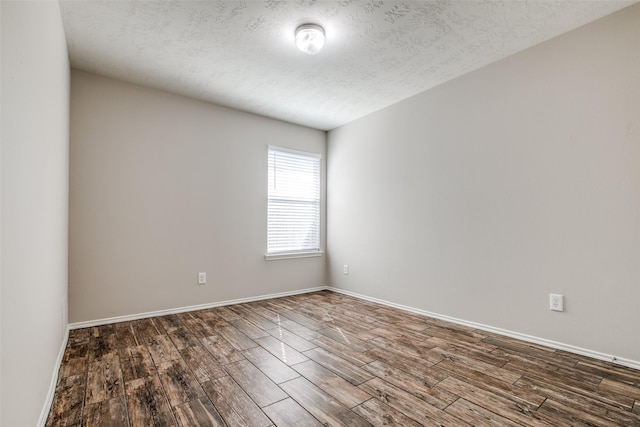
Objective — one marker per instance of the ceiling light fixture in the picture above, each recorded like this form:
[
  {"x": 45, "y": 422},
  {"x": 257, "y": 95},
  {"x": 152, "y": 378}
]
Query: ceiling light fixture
[{"x": 310, "y": 38}]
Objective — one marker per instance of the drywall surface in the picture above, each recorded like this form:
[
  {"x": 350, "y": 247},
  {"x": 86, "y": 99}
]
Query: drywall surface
[
  {"x": 479, "y": 198},
  {"x": 35, "y": 150},
  {"x": 163, "y": 187}
]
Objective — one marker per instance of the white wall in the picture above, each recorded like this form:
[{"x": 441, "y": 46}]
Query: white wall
[
  {"x": 34, "y": 170},
  {"x": 480, "y": 197},
  {"x": 163, "y": 187}
]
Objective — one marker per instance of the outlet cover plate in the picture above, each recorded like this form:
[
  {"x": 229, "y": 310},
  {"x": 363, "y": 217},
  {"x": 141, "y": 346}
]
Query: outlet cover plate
[{"x": 556, "y": 302}]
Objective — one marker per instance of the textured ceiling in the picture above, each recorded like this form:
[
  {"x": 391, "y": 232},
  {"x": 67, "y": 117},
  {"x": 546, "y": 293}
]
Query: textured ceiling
[{"x": 242, "y": 54}]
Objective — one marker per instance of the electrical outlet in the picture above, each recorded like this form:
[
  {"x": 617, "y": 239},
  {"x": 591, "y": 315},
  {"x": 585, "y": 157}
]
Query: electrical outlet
[
  {"x": 202, "y": 278},
  {"x": 556, "y": 302},
  {"x": 345, "y": 269}
]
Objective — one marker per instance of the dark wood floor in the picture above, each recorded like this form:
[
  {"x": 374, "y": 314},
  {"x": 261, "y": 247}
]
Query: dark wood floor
[{"x": 325, "y": 359}]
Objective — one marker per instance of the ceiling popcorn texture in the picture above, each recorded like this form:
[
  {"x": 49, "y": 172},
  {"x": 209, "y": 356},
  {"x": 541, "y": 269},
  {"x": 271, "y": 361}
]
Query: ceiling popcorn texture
[{"x": 242, "y": 54}]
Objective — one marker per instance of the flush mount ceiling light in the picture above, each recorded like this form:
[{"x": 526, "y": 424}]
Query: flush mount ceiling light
[{"x": 310, "y": 38}]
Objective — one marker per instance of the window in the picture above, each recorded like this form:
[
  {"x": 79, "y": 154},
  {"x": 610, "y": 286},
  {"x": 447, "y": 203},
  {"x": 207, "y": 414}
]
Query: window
[{"x": 293, "y": 217}]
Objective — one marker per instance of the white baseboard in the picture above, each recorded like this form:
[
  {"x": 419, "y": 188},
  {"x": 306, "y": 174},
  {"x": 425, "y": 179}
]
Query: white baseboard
[
  {"x": 536, "y": 340},
  {"x": 44, "y": 414},
  {"x": 129, "y": 317}
]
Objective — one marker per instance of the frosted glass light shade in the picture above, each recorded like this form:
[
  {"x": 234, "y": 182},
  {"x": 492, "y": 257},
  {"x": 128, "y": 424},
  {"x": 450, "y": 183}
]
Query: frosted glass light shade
[{"x": 310, "y": 38}]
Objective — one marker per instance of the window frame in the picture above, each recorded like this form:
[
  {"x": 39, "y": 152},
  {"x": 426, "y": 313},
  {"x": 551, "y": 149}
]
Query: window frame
[{"x": 302, "y": 253}]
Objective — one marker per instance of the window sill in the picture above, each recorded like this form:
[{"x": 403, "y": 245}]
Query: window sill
[{"x": 273, "y": 257}]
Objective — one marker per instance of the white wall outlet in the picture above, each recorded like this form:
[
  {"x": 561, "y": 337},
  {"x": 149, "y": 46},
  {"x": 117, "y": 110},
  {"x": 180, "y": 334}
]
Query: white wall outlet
[
  {"x": 345, "y": 269},
  {"x": 556, "y": 302},
  {"x": 202, "y": 278}
]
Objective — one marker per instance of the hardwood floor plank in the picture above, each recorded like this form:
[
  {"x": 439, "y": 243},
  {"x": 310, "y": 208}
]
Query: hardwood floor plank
[
  {"x": 210, "y": 317},
  {"x": 380, "y": 414},
  {"x": 544, "y": 368},
  {"x": 389, "y": 315},
  {"x": 362, "y": 332},
  {"x": 66, "y": 408},
  {"x": 104, "y": 379},
  {"x": 321, "y": 405},
  {"x": 456, "y": 333},
  {"x": 492, "y": 384},
  {"x": 202, "y": 364},
  {"x": 350, "y": 372},
  {"x": 265, "y": 323},
  {"x": 583, "y": 402},
  {"x": 248, "y": 328},
  {"x": 392, "y": 316},
  {"x": 509, "y": 409},
  {"x": 345, "y": 338},
  {"x": 198, "y": 413},
  {"x": 108, "y": 413},
  {"x": 162, "y": 349},
  {"x": 263, "y": 310},
  {"x": 170, "y": 322},
  {"x": 477, "y": 415},
  {"x": 236, "y": 338},
  {"x": 472, "y": 348},
  {"x": 619, "y": 388},
  {"x": 610, "y": 371},
  {"x": 558, "y": 415},
  {"x": 343, "y": 351},
  {"x": 298, "y": 329},
  {"x": 413, "y": 324},
  {"x": 221, "y": 350},
  {"x": 276, "y": 370},
  {"x": 405, "y": 377},
  {"x": 74, "y": 360},
  {"x": 136, "y": 362},
  {"x": 79, "y": 336},
  {"x": 178, "y": 382},
  {"x": 73, "y": 367},
  {"x": 353, "y": 312},
  {"x": 235, "y": 406},
  {"x": 411, "y": 349},
  {"x": 291, "y": 339},
  {"x": 125, "y": 335},
  {"x": 257, "y": 385},
  {"x": 305, "y": 321},
  {"x": 144, "y": 330},
  {"x": 338, "y": 317},
  {"x": 325, "y": 359},
  {"x": 226, "y": 313},
  {"x": 409, "y": 364},
  {"x": 462, "y": 331},
  {"x": 287, "y": 413},
  {"x": 281, "y": 350},
  {"x": 334, "y": 385},
  {"x": 147, "y": 404},
  {"x": 478, "y": 365},
  {"x": 383, "y": 332},
  {"x": 102, "y": 342},
  {"x": 528, "y": 350},
  {"x": 182, "y": 338},
  {"x": 581, "y": 388},
  {"x": 323, "y": 313},
  {"x": 420, "y": 387},
  {"x": 198, "y": 326},
  {"x": 410, "y": 405}
]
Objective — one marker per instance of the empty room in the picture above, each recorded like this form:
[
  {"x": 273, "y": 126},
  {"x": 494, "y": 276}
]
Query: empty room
[{"x": 320, "y": 213}]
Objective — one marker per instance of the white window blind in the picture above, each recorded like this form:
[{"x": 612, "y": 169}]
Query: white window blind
[{"x": 293, "y": 224}]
